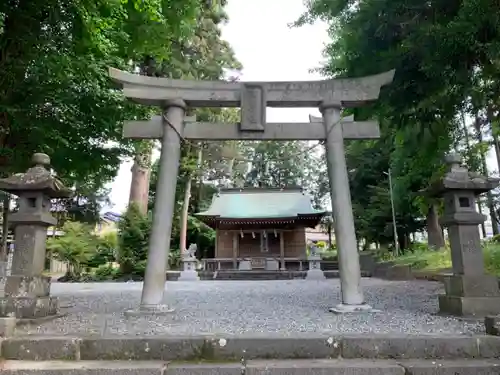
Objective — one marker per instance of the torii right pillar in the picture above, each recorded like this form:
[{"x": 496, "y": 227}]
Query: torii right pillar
[{"x": 337, "y": 130}]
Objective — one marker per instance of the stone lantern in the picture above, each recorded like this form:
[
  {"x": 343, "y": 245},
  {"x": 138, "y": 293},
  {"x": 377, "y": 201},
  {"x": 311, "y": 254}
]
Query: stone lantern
[
  {"x": 27, "y": 292},
  {"x": 469, "y": 291}
]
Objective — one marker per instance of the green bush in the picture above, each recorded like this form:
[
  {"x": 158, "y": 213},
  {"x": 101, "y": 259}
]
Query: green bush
[
  {"x": 133, "y": 236},
  {"x": 200, "y": 234},
  {"x": 75, "y": 248},
  {"x": 383, "y": 254},
  {"x": 174, "y": 259},
  {"x": 106, "y": 250},
  {"x": 329, "y": 255},
  {"x": 105, "y": 272},
  {"x": 139, "y": 270},
  {"x": 321, "y": 245},
  {"x": 419, "y": 247},
  {"x": 492, "y": 258}
]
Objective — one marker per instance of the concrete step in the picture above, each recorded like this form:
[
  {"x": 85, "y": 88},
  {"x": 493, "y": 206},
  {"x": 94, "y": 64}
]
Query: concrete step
[
  {"x": 229, "y": 348},
  {"x": 264, "y": 367}
]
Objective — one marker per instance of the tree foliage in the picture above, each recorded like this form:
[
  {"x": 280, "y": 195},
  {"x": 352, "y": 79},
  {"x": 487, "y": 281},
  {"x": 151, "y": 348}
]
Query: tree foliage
[
  {"x": 55, "y": 95},
  {"x": 446, "y": 61},
  {"x": 282, "y": 164}
]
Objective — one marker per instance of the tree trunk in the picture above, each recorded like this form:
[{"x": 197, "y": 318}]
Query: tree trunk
[
  {"x": 493, "y": 214},
  {"x": 185, "y": 207},
  {"x": 435, "y": 239},
  {"x": 489, "y": 196},
  {"x": 141, "y": 172},
  {"x": 184, "y": 216},
  {"x": 402, "y": 241},
  {"x": 5, "y": 227},
  {"x": 497, "y": 150},
  {"x": 480, "y": 209},
  {"x": 200, "y": 180},
  {"x": 491, "y": 118}
]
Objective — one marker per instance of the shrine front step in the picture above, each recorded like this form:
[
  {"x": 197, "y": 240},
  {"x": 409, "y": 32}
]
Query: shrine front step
[
  {"x": 255, "y": 367},
  {"x": 252, "y": 275},
  {"x": 265, "y": 275}
]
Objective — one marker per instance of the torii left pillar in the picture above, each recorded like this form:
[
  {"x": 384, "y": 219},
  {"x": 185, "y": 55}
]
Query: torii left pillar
[
  {"x": 338, "y": 129},
  {"x": 152, "y": 300}
]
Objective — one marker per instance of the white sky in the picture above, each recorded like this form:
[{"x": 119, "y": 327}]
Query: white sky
[{"x": 269, "y": 51}]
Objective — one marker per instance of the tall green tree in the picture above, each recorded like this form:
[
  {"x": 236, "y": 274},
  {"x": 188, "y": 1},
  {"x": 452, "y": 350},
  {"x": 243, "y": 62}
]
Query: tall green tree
[
  {"x": 438, "y": 51},
  {"x": 55, "y": 95},
  {"x": 203, "y": 55},
  {"x": 282, "y": 164}
]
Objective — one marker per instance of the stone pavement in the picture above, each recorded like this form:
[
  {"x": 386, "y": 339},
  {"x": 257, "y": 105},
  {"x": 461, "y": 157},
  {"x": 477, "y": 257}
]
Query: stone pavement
[
  {"x": 261, "y": 367},
  {"x": 282, "y": 308}
]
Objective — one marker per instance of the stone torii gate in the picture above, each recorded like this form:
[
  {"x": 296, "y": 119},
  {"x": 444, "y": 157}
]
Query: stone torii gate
[{"x": 174, "y": 96}]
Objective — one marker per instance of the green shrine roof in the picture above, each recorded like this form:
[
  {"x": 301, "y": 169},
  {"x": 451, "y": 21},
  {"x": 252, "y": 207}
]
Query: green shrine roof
[{"x": 260, "y": 203}]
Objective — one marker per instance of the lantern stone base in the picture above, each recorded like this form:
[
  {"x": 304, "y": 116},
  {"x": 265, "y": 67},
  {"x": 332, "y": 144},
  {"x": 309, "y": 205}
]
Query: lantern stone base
[
  {"x": 23, "y": 286},
  {"x": 492, "y": 325},
  {"x": 29, "y": 307},
  {"x": 470, "y": 295},
  {"x": 471, "y": 286},
  {"x": 469, "y": 306},
  {"x": 7, "y": 326}
]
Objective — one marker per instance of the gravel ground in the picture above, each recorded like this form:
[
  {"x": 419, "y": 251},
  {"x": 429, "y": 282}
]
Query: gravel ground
[{"x": 239, "y": 307}]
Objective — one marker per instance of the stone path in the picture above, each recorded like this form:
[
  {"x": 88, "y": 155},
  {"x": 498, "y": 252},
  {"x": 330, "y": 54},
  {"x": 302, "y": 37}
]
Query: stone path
[{"x": 251, "y": 307}]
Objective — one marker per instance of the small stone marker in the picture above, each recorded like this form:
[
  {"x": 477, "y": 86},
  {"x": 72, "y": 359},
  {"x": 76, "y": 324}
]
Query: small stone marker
[
  {"x": 469, "y": 291},
  {"x": 27, "y": 292}
]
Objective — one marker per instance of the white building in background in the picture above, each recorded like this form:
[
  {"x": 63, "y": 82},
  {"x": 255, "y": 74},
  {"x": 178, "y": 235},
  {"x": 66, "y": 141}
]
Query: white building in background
[{"x": 317, "y": 234}]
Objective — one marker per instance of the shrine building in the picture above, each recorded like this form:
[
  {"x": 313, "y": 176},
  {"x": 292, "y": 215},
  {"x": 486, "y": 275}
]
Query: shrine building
[{"x": 260, "y": 228}]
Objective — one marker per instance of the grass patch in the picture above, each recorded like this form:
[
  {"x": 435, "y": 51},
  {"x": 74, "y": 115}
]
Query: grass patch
[
  {"x": 492, "y": 258},
  {"x": 428, "y": 260}
]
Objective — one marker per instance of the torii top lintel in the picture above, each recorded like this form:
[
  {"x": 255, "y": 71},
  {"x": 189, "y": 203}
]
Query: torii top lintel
[{"x": 349, "y": 92}]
